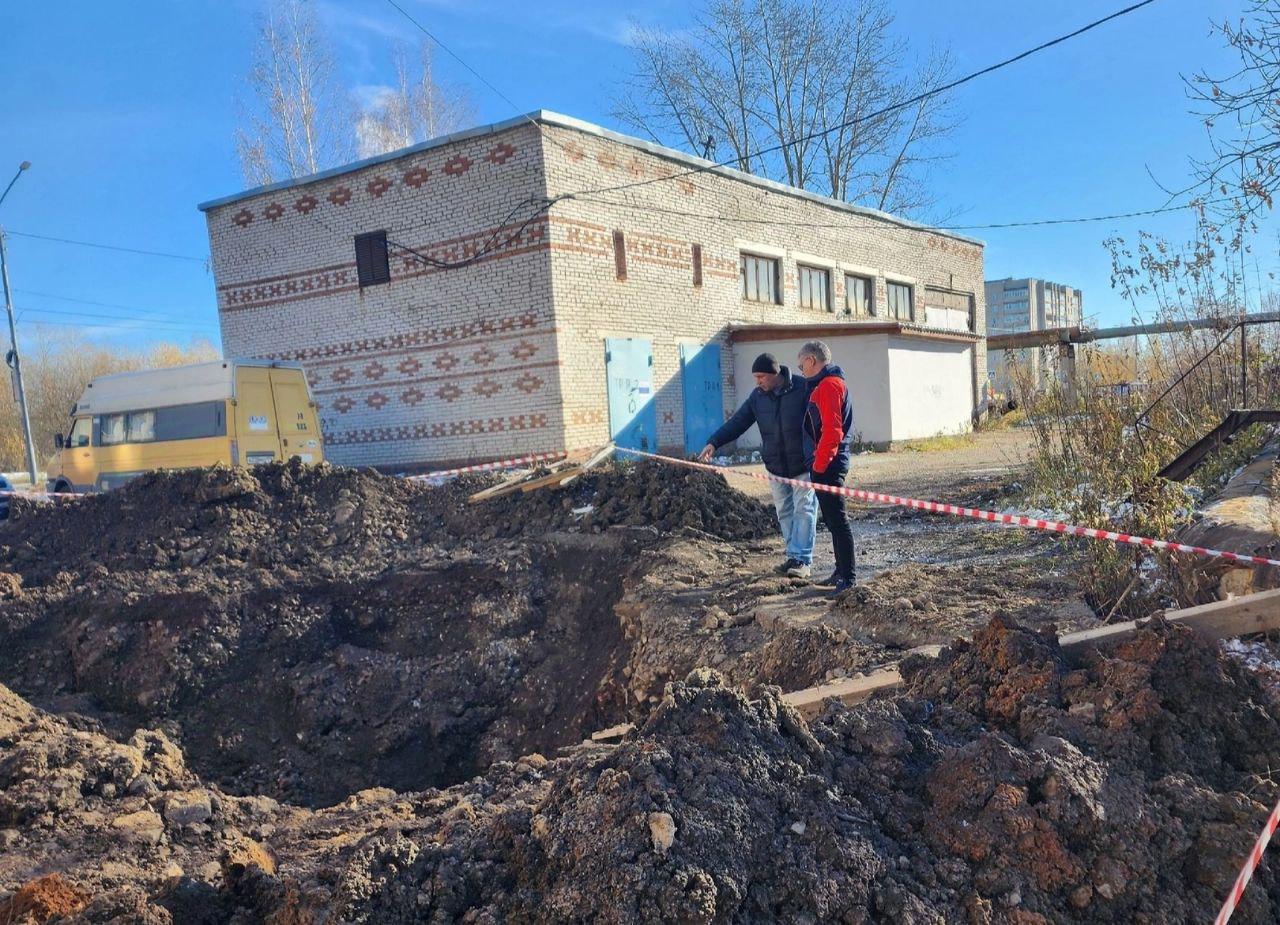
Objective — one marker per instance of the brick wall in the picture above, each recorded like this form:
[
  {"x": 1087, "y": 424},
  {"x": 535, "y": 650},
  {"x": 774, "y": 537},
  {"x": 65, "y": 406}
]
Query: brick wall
[
  {"x": 660, "y": 223},
  {"x": 507, "y": 356},
  {"x": 434, "y": 365}
]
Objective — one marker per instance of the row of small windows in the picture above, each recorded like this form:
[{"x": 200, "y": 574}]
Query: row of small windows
[
  {"x": 760, "y": 279},
  {"x": 760, "y": 284}
]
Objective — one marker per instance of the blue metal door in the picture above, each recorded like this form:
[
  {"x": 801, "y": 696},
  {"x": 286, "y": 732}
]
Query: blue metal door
[
  {"x": 633, "y": 420},
  {"x": 703, "y": 406}
]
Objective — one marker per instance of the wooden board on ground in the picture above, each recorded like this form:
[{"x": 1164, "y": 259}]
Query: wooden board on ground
[
  {"x": 1255, "y": 613},
  {"x": 594, "y": 459},
  {"x": 555, "y": 478}
]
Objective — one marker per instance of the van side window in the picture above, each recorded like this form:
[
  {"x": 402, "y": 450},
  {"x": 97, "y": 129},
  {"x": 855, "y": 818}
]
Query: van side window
[
  {"x": 142, "y": 426},
  {"x": 113, "y": 429},
  {"x": 80, "y": 432}
]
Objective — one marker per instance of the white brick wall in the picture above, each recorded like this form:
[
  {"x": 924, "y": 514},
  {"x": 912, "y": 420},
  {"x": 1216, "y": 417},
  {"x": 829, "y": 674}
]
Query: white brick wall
[{"x": 507, "y": 356}]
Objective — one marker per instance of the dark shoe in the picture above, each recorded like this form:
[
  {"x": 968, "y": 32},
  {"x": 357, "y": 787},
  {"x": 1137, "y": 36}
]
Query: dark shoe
[
  {"x": 786, "y": 566},
  {"x": 842, "y": 585},
  {"x": 828, "y": 581}
]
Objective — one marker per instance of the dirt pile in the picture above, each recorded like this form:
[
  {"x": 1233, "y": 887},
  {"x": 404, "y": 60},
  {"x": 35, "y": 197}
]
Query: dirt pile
[
  {"x": 308, "y": 631},
  {"x": 1005, "y": 786}
]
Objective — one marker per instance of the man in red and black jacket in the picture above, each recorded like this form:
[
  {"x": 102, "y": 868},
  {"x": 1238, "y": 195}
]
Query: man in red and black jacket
[{"x": 828, "y": 430}]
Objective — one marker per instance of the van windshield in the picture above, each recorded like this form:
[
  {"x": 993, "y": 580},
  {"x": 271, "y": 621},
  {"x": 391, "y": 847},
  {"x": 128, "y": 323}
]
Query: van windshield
[{"x": 81, "y": 430}]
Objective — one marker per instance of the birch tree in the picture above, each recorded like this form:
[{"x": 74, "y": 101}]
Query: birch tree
[
  {"x": 796, "y": 90},
  {"x": 298, "y": 120},
  {"x": 419, "y": 106}
]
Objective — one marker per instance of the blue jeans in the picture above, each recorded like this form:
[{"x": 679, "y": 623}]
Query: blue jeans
[{"x": 798, "y": 516}]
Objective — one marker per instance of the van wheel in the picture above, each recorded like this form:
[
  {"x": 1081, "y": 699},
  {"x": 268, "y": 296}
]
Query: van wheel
[{"x": 61, "y": 487}]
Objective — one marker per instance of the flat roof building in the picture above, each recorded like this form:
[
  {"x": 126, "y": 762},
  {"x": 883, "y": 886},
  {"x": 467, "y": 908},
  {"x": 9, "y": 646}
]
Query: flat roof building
[
  {"x": 543, "y": 283},
  {"x": 1029, "y": 304}
]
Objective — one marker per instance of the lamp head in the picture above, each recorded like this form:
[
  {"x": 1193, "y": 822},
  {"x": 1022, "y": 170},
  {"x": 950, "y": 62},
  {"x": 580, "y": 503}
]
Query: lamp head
[{"x": 25, "y": 165}]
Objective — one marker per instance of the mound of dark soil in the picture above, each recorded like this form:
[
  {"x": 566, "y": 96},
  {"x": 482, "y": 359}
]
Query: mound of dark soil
[{"x": 1007, "y": 786}]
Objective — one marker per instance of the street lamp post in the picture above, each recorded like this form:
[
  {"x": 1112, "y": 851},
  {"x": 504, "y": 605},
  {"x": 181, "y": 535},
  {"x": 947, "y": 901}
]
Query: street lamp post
[{"x": 12, "y": 359}]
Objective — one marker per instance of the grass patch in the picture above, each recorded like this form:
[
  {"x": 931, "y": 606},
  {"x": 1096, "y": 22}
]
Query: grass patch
[{"x": 937, "y": 443}]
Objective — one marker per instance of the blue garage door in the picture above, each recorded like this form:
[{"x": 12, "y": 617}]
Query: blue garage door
[
  {"x": 703, "y": 406},
  {"x": 633, "y": 420}
]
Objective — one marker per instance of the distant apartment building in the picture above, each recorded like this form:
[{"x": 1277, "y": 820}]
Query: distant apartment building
[{"x": 1015, "y": 305}]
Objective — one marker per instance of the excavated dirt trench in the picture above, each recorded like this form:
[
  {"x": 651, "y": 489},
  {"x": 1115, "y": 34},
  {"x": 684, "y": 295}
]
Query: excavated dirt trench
[
  {"x": 419, "y": 677},
  {"x": 306, "y": 635}
]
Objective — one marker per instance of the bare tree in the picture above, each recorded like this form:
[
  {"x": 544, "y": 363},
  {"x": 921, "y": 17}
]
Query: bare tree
[
  {"x": 1241, "y": 113},
  {"x": 297, "y": 125},
  {"x": 799, "y": 91},
  {"x": 419, "y": 107}
]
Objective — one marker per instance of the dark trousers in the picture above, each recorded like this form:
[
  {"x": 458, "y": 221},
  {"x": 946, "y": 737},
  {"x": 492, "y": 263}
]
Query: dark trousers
[{"x": 836, "y": 520}]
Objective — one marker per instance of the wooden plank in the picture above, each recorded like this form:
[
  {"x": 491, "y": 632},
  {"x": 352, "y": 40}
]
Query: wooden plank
[
  {"x": 1254, "y": 613},
  {"x": 1239, "y": 616},
  {"x": 613, "y": 732},
  {"x": 555, "y": 478},
  {"x": 595, "y": 459},
  {"x": 849, "y": 691},
  {"x": 506, "y": 486}
]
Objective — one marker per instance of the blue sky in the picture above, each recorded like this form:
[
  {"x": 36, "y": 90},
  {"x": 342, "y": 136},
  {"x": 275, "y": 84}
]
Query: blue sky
[{"x": 127, "y": 112}]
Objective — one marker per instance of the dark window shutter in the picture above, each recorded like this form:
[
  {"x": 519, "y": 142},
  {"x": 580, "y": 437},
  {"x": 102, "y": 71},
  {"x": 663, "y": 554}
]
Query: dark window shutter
[
  {"x": 372, "y": 264},
  {"x": 620, "y": 255},
  {"x": 697, "y": 264}
]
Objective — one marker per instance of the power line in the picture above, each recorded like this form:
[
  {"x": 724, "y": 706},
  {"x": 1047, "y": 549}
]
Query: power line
[
  {"x": 133, "y": 308},
  {"x": 152, "y": 321},
  {"x": 126, "y": 326},
  {"x": 919, "y": 97},
  {"x": 108, "y": 247},
  {"x": 923, "y": 228}
]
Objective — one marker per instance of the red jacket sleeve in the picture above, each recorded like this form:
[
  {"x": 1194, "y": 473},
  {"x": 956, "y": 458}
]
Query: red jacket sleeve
[{"x": 828, "y": 397}]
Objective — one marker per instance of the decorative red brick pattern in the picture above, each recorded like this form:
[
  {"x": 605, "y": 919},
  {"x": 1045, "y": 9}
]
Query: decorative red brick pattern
[
  {"x": 343, "y": 404},
  {"x": 409, "y": 365},
  {"x": 457, "y": 165},
  {"x": 273, "y": 211},
  {"x": 524, "y": 350},
  {"x": 374, "y": 370},
  {"x": 243, "y": 218},
  {"x": 586, "y": 416},
  {"x": 511, "y": 241},
  {"x": 668, "y": 417},
  {"x": 377, "y": 186},
  {"x": 447, "y": 377},
  {"x": 306, "y": 204},
  {"x": 500, "y": 153},
  {"x": 342, "y": 375},
  {"x": 484, "y": 356},
  {"x": 416, "y": 177},
  {"x": 470, "y": 427},
  {"x": 486, "y": 388},
  {"x": 449, "y": 391},
  {"x": 339, "y": 195},
  {"x": 412, "y": 396},
  {"x": 529, "y": 383},
  {"x": 445, "y": 362},
  {"x": 376, "y": 401}
]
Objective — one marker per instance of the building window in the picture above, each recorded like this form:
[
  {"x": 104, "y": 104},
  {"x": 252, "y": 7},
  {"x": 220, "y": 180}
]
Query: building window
[
  {"x": 899, "y": 301},
  {"x": 759, "y": 278},
  {"x": 815, "y": 288},
  {"x": 372, "y": 265},
  {"x": 859, "y": 295},
  {"x": 696, "y": 255}
]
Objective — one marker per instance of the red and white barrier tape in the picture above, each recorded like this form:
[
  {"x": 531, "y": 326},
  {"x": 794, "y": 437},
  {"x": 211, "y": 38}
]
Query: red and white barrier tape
[
  {"x": 39, "y": 495},
  {"x": 937, "y": 507},
  {"x": 1250, "y": 865},
  {"x": 531, "y": 459}
]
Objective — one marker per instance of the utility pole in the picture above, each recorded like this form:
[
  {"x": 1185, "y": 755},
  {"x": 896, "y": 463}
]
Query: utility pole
[{"x": 11, "y": 358}]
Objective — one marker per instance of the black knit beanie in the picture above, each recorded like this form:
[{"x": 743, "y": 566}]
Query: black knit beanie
[{"x": 766, "y": 363}]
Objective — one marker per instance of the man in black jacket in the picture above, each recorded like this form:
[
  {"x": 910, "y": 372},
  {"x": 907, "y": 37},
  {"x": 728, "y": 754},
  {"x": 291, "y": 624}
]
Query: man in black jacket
[{"x": 777, "y": 406}]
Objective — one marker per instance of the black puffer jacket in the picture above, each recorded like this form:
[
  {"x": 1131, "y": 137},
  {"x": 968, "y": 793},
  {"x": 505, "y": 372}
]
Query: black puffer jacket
[{"x": 780, "y": 416}]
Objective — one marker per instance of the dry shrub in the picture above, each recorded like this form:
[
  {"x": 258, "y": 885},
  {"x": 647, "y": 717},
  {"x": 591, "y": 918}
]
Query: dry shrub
[{"x": 1134, "y": 406}]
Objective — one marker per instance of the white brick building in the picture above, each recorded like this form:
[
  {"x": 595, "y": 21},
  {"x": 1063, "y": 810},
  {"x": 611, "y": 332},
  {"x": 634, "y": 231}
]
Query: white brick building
[{"x": 589, "y": 315}]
